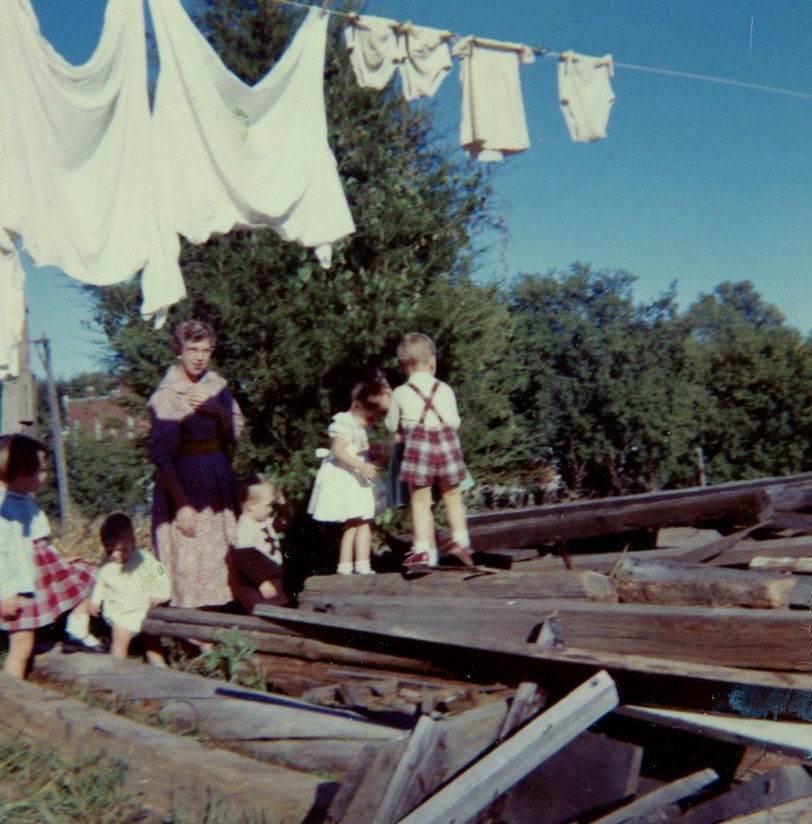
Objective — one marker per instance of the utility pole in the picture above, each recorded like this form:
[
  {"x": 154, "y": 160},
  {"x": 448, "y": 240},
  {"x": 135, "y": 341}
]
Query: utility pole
[
  {"x": 19, "y": 394},
  {"x": 56, "y": 434}
]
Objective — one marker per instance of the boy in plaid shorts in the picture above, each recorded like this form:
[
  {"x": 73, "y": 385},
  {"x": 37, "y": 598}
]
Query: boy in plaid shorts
[{"x": 423, "y": 411}]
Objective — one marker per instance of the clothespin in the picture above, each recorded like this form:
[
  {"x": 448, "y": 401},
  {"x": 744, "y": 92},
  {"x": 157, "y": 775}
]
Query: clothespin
[{"x": 325, "y": 4}]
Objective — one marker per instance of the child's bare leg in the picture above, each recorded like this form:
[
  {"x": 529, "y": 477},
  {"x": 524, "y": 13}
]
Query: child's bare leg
[
  {"x": 363, "y": 542},
  {"x": 20, "y": 650},
  {"x": 422, "y": 520},
  {"x": 153, "y": 651},
  {"x": 346, "y": 548},
  {"x": 363, "y": 549},
  {"x": 460, "y": 546},
  {"x": 120, "y": 645},
  {"x": 455, "y": 508}
]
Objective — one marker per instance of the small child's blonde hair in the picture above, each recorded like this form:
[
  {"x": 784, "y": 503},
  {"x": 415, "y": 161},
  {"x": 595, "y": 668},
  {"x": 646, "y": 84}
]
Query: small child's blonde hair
[
  {"x": 248, "y": 488},
  {"x": 415, "y": 349}
]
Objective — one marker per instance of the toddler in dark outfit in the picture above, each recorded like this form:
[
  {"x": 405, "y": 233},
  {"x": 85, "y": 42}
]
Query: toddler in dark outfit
[{"x": 255, "y": 560}]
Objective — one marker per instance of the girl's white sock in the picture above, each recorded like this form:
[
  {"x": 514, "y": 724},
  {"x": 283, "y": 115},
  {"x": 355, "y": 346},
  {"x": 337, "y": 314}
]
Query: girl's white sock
[
  {"x": 345, "y": 569},
  {"x": 364, "y": 568},
  {"x": 78, "y": 626}
]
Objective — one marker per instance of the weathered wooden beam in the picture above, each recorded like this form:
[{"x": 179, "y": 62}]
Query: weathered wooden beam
[
  {"x": 509, "y": 762},
  {"x": 680, "y": 683},
  {"x": 588, "y": 585},
  {"x": 674, "y": 791},
  {"x": 168, "y": 774},
  {"x": 277, "y": 640},
  {"x": 775, "y": 639},
  {"x": 652, "y": 582},
  {"x": 781, "y": 563},
  {"x": 740, "y": 555},
  {"x": 741, "y": 503}
]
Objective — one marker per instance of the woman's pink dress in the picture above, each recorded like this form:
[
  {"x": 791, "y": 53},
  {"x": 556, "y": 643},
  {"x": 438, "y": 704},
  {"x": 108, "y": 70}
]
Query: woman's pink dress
[{"x": 196, "y": 565}]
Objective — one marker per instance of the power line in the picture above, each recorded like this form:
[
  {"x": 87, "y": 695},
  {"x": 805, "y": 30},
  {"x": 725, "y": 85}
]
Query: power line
[{"x": 544, "y": 52}]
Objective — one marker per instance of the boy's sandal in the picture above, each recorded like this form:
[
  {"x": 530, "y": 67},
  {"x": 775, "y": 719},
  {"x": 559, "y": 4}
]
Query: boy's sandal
[
  {"x": 461, "y": 553},
  {"x": 416, "y": 563}
]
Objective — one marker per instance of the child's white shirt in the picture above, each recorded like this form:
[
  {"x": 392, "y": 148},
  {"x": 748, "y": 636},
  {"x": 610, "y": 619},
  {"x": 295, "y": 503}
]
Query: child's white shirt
[
  {"x": 126, "y": 591},
  {"x": 406, "y": 405},
  {"x": 22, "y": 522}
]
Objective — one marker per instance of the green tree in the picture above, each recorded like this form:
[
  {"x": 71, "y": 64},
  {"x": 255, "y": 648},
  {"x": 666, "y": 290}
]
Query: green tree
[
  {"x": 294, "y": 338},
  {"x": 755, "y": 373},
  {"x": 600, "y": 380}
]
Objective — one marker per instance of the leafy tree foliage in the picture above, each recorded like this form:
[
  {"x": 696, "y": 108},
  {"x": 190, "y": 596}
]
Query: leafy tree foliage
[
  {"x": 756, "y": 377},
  {"x": 600, "y": 381}
]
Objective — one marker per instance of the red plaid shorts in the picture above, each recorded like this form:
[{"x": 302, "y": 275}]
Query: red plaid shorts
[
  {"x": 432, "y": 456},
  {"x": 58, "y": 587}
]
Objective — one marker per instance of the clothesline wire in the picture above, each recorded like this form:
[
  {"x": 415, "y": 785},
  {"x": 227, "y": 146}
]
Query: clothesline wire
[{"x": 540, "y": 51}]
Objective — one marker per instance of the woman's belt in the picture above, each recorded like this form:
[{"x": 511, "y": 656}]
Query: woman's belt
[{"x": 188, "y": 449}]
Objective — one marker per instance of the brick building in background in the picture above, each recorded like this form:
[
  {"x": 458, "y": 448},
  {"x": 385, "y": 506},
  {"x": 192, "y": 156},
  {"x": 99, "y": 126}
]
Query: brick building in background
[{"x": 103, "y": 416}]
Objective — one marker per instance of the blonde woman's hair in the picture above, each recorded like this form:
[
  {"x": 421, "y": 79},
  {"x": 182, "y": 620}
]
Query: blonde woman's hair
[
  {"x": 193, "y": 331},
  {"x": 415, "y": 349}
]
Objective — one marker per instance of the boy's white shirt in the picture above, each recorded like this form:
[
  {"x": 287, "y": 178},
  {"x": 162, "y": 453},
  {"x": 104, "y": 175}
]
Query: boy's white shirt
[{"x": 406, "y": 405}]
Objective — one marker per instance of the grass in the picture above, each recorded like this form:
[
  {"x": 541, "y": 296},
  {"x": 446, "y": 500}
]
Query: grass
[{"x": 38, "y": 786}]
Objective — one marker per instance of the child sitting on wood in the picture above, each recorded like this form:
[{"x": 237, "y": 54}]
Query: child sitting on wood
[
  {"x": 423, "y": 411},
  {"x": 255, "y": 560},
  {"x": 129, "y": 583}
]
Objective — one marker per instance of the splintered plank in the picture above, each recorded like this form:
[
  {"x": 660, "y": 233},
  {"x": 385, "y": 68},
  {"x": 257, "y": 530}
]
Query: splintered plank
[
  {"x": 767, "y": 790},
  {"x": 589, "y": 585},
  {"x": 652, "y": 582},
  {"x": 170, "y": 775},
  {"x": 491, "y": 776},
  {"x": 798, "y": 811},
  {"x": 674, "y": 791},
  {"x": 786, "y": 737}
]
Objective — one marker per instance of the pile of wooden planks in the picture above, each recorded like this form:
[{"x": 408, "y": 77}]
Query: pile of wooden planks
[{"x": 636, "y": 659}]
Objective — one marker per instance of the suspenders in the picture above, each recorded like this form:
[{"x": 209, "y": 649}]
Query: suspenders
[{"x": 427, "y": 402}]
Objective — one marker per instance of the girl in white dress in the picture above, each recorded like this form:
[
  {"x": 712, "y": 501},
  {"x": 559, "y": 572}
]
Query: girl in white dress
[{"x": 347, "y": 488}]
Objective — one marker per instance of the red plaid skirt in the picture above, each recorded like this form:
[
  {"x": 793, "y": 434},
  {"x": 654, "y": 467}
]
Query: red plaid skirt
[
  {"x": 432, "y": 456},
  {"x": 58, "y": 587}
]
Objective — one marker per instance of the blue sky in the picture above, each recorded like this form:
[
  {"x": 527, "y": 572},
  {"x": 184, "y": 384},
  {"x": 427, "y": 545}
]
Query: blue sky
[{"x": 696, "y": 182}]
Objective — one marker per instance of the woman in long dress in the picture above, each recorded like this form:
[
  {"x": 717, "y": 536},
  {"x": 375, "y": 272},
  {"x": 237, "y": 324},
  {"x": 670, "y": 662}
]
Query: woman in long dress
[{"x": 193, "y": 417}]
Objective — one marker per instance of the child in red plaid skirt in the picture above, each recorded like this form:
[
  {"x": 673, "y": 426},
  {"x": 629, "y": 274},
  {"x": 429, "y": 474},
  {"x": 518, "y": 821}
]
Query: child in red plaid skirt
[
  {"x": 37, "y": 585},
  {"x": 424, "y": 412}
]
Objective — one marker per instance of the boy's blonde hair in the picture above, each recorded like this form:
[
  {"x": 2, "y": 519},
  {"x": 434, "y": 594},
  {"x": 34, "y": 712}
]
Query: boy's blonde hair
[
  {"x": 20, "y": 455},
  {"x": 415, "y": 349},
  {"x": 248, "y": 488}
]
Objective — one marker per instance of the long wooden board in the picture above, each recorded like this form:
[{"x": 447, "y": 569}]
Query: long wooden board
[
  {"x": 757, "y": 639},
  {"x": 170, "y": 775}
]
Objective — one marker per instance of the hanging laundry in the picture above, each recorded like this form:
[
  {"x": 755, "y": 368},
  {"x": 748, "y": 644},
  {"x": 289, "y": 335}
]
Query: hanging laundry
[
  {"x": 239, "y": 156},
  {"x": 375, "y": 50},
  {"x": 76, "y": 152},
  {"x": 493, "y": 121},
  {"x": 585, "y": 93},
  {"x": 427, "y": 60},
  {"x": 12, "y": 307}
]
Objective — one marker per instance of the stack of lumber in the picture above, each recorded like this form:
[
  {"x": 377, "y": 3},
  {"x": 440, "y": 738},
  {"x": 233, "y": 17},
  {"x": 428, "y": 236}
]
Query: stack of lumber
[{"x": 644, "y": 659}]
